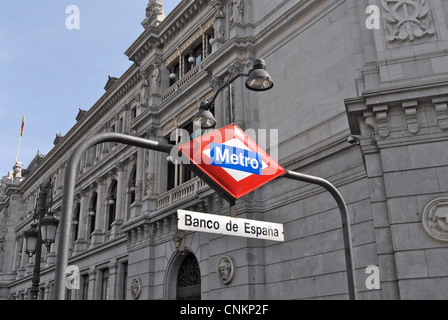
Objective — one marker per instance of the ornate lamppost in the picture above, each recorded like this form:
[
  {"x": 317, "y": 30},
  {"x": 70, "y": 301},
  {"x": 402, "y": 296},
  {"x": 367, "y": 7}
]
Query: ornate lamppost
[{"x": 42, "y": 231}]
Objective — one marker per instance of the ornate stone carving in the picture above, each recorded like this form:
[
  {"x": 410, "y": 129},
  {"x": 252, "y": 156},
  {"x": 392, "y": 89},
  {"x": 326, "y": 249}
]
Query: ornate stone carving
[
  {"x": 144, "y": 90},
  {"x": 156, "y": 81},
  {"x": 381, "y": 120},
  {"x": 407, "y": 19},
  {"x": 150, "y": 177},
  {"x": 138, "y": 191},
  {"x": 441, "y": 108},
  {"x": 179, "y": 241},
  {"x": 237, "y": 12},
  {"x": 154, "y": 14},
  {"x": 220, "y": 29},
  {"x": 136, "y": 288},
  {"x": 435, "y": 219},
  {"x": 410, "y": 111},
  {"x": 226, "y": 270}
]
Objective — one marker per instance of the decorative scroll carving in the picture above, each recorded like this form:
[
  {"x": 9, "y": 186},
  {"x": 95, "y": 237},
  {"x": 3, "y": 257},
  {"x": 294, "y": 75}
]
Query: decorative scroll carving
[
  {"x": 381, "y": 120},
  {"x": 407, "y": 19},
  {"x": 410, "y": 111},
  {"x": 441, "y": 106}
]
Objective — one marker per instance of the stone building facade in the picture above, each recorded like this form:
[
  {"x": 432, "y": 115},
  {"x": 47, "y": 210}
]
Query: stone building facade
[{"x": 376, "y": 71}]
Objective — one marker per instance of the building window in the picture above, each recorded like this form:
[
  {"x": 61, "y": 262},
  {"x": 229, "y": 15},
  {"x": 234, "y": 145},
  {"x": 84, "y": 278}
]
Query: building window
[
  {"x": 112, "y": 205},
  {"x": 189, "y": 279},
  {"x": 193, "y": 58},
  {"x": 105, "y": 284},
  {"x": 85, "y": 287},
  {"x": 133, "y": 112},
  {"x": 178, "y": 173},
  {"x": 124, "y": 280},
  {"x": 76, "y": 222},
  {"x": 174, "y": 73},
  {"x": 92, "y": 213}
]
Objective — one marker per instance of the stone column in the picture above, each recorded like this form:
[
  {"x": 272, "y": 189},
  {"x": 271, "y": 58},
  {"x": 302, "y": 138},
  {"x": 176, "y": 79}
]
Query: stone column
[
  {"x": 150, "y": 164},
  {"x": 136, "y": 206},
  {"x": 92, "y": 284},
  {"x": 112, "y": 280}
]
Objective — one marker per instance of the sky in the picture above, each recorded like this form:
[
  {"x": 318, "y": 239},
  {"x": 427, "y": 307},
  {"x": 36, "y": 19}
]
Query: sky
[{"x": 49, "y": 70}]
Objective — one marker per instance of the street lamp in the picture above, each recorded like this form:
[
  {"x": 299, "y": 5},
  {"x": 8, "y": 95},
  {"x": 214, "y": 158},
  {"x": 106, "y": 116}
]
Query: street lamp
[
  {"x": 260, "y": 80},
  {"x": 42, "y": 231}
]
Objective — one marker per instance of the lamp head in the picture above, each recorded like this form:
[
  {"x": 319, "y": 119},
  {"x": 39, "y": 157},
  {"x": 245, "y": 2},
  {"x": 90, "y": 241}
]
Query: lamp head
[
  {"x": 204, "y": 118},
  {"x": 259, "y": 79}
]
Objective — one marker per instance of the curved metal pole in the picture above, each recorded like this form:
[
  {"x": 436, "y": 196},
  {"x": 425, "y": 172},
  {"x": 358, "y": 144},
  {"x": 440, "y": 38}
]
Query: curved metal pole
[
  {"x": 345, "y": 224},
  {"x": 69, "y": 193}
]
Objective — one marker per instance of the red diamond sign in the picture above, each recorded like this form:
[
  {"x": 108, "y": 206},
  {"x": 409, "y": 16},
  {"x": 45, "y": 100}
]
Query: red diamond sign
[{"x": 232, "y": 160}]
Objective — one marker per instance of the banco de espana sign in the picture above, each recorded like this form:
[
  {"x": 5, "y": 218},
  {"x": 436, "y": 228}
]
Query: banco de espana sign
[{"x": 234, "y": 165}]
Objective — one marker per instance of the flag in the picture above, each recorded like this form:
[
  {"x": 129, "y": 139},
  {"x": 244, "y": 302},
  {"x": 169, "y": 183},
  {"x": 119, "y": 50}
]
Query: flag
[{"x": 23, "y": 124}]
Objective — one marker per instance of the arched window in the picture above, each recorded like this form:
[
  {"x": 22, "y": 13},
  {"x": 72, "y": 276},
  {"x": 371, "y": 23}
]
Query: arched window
[
  {"x": 76, "y": 222},
  {"x": 92, "y": 213},
  {"x": 112, "y": 205},
  {"x": 189, "y": 279},
  {"x": 131, "y": 188}
]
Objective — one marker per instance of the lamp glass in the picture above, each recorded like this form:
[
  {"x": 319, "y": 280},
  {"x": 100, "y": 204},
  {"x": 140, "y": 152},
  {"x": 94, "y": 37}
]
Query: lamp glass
[
  {"x": 48, "y": 226},
  {"x": 30, "y": 236},
  {"x": 259, "y": 80},
  {"x": 204, "y": 119}
]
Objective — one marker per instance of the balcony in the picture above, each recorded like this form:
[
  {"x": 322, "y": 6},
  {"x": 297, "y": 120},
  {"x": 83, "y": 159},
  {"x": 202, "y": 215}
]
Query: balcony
[{"x": 180, "y": 193}]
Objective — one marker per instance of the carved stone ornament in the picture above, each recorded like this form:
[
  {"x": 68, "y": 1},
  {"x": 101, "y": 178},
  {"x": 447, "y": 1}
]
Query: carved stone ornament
[
  {"x": 407, "y": 19},
  {"x": 226, "y": 270},
  {"x": 136, "y": 288},
  {"x": 154, "y": 13},
  {"x": 435, "y": 219}
]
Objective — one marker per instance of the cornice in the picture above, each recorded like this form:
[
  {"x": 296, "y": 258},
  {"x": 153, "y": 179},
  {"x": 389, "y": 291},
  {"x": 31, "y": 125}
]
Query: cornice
[
  {"x": 156, "y": 37},
  {"x": 90, "y": 120}
]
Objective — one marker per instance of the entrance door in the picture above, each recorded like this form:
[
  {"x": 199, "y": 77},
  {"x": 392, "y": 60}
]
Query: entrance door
[{"x": 189, "y": 279}]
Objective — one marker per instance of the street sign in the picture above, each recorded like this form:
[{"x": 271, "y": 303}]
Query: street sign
[
  {"x": 212, "y": 223},
  {"x": 231, "y": 161}
]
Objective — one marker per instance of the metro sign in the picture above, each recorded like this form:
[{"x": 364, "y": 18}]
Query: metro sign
[{"x": 232, "y": 160}]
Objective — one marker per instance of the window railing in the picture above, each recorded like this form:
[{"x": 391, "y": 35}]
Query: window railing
[
  {"x": 181, "y": 192},
  {"x": 181, "y": 82}
]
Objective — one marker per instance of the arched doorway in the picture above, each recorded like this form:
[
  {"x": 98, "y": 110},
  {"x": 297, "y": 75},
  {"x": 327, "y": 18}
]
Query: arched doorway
[{"x": 189, "y": 279}]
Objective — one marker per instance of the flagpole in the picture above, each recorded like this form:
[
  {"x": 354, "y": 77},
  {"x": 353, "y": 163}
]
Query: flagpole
[
  {"x": 18, "y": 147},
  {"x": 20, "y": 137}
]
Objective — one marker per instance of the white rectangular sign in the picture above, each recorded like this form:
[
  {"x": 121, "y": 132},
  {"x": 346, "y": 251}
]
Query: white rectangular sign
[{"x": 211, "y": 223}]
